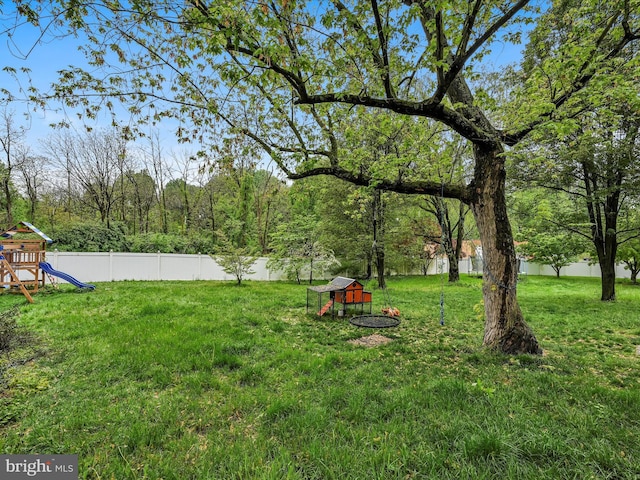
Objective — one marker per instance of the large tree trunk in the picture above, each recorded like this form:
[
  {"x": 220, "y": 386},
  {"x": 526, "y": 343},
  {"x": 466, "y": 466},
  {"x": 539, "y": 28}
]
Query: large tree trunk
[
  {"x": 604, "y": 224},
  {"x": 606, "y": 248},
  {"x": 505, "y": 329},
  {"x": 608, "y": 281},
  {"x": 369, "y": 266},
  {"x": 454, "y": 268},
  {"x": 634, "y": 268},
  {"x": 607, "y": 261}
]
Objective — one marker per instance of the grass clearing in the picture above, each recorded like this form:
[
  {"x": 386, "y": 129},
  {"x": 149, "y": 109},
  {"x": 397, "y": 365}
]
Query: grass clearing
[{"x": 207, "y": 380}]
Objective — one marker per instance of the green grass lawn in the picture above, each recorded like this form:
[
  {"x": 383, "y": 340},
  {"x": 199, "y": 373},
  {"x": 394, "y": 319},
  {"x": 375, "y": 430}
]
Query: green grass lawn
[{"x": 206, "y": 380}]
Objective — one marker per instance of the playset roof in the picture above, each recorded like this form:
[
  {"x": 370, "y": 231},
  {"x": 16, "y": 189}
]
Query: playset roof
[{"x": 25, "y": 227}]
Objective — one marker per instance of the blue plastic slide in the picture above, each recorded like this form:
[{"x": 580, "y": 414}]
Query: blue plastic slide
[{"x": 47, "y": 268}]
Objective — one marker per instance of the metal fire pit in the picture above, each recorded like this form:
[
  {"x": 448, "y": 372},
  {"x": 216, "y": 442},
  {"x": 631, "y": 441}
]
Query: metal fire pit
[{"x": 374, "y": 321}]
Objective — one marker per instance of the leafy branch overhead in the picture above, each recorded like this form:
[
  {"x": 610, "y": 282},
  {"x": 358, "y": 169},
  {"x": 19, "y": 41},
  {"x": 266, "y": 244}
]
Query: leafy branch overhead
[{"x": 277, "y": 71}]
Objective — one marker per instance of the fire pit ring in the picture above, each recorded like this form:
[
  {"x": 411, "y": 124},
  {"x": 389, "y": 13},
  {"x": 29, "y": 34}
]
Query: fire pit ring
[{"x": 374, "y": 321}]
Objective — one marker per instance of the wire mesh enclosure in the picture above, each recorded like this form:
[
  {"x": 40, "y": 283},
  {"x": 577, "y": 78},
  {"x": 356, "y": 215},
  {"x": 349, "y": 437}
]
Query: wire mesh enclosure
[{"x": 339, "y": 295}]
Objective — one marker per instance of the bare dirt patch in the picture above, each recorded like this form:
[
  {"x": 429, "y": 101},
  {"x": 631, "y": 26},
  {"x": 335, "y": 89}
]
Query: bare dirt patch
[{"x": 371, "y": 340}]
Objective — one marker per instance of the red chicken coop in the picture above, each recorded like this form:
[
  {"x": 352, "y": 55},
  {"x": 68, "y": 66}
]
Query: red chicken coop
[{"x": 338, "y": 296}]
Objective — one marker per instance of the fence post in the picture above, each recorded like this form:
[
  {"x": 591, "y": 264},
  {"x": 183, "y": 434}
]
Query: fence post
[{"x": 111, "y": 265}]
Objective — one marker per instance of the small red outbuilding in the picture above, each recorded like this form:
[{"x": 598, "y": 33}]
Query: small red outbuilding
[{"x": 342, "y": 291}]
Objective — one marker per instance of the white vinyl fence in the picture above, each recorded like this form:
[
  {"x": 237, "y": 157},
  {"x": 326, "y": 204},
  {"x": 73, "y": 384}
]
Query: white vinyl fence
[
  {"x": 111, "y": 266},
  {"x": 576, "y": 269}
]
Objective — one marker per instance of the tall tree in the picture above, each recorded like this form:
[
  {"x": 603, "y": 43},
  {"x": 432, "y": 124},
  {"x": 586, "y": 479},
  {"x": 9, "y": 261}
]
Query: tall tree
[
  {"x": 629, "y": 256},
  {"x": 297, "y": 249},
  {"x": 156, "y": 163},
  {"x": 32, "y": 170},
  {"x": 211, "y": 185},
  {"x": 11, "y": 136},
  {"x": 542, "y": 221},
  {"x": 185, "y": 192},
  {"x": 60, "y": 149},
  {"x": 451, "y": 215},
  {"x": 596, "y": 164},
  {"x": 141, "y": 190},
  {"x": 344, "y": 220},
  {"x": 292, "y": 70},
  {"x": 269, "y": 193},
  {"x": 452, "y": 230},
  {"x": 235, "y": 161},
  {"x": 92, "y": 162}
]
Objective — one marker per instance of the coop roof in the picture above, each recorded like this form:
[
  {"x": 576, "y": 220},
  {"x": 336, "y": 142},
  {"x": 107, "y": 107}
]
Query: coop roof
[{"x": 338, "y": 283}]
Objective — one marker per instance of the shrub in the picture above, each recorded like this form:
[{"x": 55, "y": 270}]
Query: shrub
[
  {"x": 169, "y": 243},
  {"x": 92, "y": 237},
  {"x": 236, "y": 262}
]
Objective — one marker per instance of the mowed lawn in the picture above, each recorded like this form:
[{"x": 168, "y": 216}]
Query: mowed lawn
[{"x": 207, "y": 380}]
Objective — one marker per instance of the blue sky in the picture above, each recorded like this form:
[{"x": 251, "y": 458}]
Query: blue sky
[{"x": 22, "y": 49}]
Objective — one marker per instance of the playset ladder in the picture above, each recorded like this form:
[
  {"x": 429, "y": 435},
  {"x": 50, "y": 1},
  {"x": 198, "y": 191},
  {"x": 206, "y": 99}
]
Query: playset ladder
[{"x": 4, "y": 265}]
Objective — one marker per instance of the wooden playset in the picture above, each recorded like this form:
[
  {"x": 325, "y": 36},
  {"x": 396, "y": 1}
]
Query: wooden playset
[
  {"x": 22, "y": 261},
  {"x": 22, "y": 250}
]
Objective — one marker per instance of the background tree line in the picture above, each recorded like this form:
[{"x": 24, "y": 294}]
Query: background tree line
[{"x": 100, "y": 190}]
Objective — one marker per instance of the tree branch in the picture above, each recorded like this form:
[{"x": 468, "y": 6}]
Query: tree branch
[
  {"x": 584, "y": 75},
  {"x": 386, "y": 78},
  {"x": 459, "y": 61},
  {"x": 409, "y": 187},
  {"x": 381, "y": 62},
  {"x": 437, "y": 111}
]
